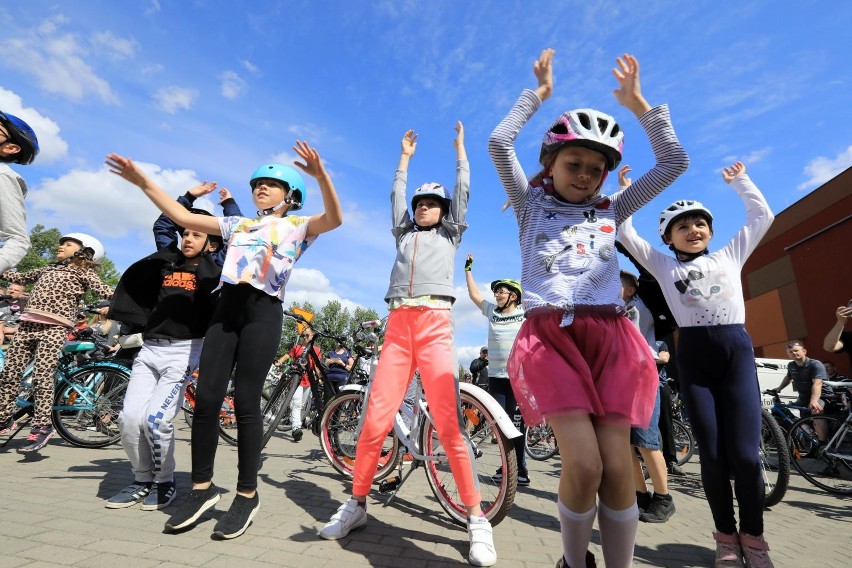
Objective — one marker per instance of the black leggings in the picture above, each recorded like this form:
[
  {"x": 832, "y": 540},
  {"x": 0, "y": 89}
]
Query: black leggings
[
  {"x": 246, "y": 330},
  {"x": 501, "y": 389},
  {"x": 719, "y": 386}
]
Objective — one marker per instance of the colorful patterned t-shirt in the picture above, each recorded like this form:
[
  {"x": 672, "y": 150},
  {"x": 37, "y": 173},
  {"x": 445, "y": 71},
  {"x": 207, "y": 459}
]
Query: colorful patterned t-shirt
[{"x": 262, "y": 252}]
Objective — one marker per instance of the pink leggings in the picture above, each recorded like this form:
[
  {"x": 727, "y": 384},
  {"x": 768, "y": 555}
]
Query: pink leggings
[{"x": 417, "y": 338}]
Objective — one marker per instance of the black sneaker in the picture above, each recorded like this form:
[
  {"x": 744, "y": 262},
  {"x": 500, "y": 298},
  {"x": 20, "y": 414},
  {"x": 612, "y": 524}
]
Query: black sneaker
[
  {"x": 523, "y": 479},
  {"x": 660, "y": 510},
  {"x": 37, "y": 439},
  {"x": 198, "y": 501},
  {"x": 590, "y": 561},
  {"x": 129, "y": 496},
  {"x": 160, "y": 497},
  {"x": 238, "y": 518},
  {"x": 643, "y": 500},
  {"x": 675, "y": 470},
  {"x": 498, "y": 475},
  {"x": 297, "y": 434}
]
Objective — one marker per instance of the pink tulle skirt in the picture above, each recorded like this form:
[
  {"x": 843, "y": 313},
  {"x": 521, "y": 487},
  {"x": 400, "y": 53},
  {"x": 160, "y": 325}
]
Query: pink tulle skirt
[{"x": 600, "y": 365}]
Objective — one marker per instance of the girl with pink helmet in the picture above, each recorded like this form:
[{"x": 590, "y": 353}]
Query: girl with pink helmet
[{"x": 577, "y": 360}]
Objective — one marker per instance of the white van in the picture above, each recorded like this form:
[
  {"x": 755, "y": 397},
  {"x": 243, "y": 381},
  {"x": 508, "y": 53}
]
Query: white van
[{"x": 770, "y": 373}]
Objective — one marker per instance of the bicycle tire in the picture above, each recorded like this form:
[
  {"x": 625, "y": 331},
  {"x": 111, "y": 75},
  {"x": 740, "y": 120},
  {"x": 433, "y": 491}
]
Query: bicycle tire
[
  {"x": 539, "y": 442},
  {"x": 89, "y": 418},
  {"x": 830, "y": 473},
  {"x": 228, "y": 429},
  {"x": 497, "y": 494},
  {"x": 339, "y": 432},
  {"x": 684, "y": 441},
  {"x": 277, "y": 405},
  {"x": 774, "y": 459}
]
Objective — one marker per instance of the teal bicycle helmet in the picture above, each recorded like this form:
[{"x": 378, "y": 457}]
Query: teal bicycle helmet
[{"x": 294, "y": 185}]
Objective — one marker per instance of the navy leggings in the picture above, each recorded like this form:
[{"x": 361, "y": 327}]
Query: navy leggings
[
  {"x": 245, "y": 330},
  {"x": 719, "y": 385},
  {"x": 501, "y": 389}
]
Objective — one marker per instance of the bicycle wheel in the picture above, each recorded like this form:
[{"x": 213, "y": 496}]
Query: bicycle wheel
[
  {"x": 774, "y": 460},
  {"x": 684, "y": 442},
  {"x": 828, "y": 468},
  {"x": 339, "y": 436},
  {"x": 87, "y": 404},
  {"x": 228, "y": 419},
  {"x": 539, "y": 442},
  {"x": 277, "y": 406},
  {"x": 497, "y": 491}
]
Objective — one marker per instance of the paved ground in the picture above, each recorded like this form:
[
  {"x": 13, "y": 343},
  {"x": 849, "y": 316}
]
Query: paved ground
[{"x": 52, "y": 514}]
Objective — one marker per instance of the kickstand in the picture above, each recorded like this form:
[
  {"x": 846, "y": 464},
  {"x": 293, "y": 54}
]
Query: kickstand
[{"x": 393, "y": 485}]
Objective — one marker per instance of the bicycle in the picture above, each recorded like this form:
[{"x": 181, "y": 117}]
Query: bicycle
[
  {"x": 227, "y": 413},
  {"x": 321, "y": 388},
  {"x": 88, "y": 399},
  {"x": 821, "y": 447},
  {"x": 414, "y": 441},
  {"x": 540, "y": 442}
]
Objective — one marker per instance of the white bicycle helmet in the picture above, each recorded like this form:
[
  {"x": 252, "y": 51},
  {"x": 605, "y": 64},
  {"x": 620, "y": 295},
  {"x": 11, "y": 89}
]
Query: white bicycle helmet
[
  {"x": 680, "y": 208},
  {"x": 585, "y": 127},
  {"x": 88, "y": 242},
  {"x": 431, "y": 189}
]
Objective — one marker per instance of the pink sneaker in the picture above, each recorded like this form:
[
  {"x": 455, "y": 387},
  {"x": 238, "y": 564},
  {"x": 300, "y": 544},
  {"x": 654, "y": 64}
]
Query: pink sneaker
[
  {"x": 728, "y": 553},
  {"x": 756, "y": 551}
]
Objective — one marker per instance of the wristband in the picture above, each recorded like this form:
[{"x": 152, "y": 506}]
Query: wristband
[{"x": 468, "y": 264}]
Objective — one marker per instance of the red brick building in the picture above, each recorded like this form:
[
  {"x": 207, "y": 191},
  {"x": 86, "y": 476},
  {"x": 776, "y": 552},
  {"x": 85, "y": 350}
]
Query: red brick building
[{"x": 801, "y": 272}]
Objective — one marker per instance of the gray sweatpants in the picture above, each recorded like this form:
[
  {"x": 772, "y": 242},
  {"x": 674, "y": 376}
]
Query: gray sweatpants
[{"x": 151, "y": 402}]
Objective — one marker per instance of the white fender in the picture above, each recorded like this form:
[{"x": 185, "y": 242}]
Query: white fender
[{"x": 504, "y": 421}]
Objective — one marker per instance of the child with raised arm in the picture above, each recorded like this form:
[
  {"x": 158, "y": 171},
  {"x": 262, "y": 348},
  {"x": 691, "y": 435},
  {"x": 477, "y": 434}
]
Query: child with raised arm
[
  {"x": 52, "y": 304},
  {"x": 715, "y": 358},
  {"x": 577, "y": 360},
  {"x": 246, "y": 326},
  {"x": 419, "y": 335}
]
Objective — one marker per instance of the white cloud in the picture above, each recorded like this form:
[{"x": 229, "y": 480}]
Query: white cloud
[
  {"x": 233, "y": 85},
  {"x": 311, "y": 285},
  {"x": 51, "y": 145},
  {"x": 309, "y": 132},
  {"x": 153, "y": 8},
  {"x": 250, "y": 67},
  {"x": 100, "y": 201},
  {"x": 172, "y": 99},
  {"x": 822, "y": 169},
  {"x": 151, "y": 68},
  {"x": 113, "y": 47},
  {"x": 749, "y": 159},
  {"x": 57, "y": 64}
]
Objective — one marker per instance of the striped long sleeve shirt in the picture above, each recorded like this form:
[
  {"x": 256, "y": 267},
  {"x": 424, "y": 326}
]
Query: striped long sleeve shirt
[{"x": 568, "y": 254}]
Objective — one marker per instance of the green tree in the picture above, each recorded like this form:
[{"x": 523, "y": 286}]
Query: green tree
[{"x": 333, "y": 319}]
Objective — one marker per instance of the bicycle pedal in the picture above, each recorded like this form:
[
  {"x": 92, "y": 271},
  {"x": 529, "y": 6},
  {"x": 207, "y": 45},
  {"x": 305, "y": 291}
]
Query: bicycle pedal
[{"x": 388, "y": 485}]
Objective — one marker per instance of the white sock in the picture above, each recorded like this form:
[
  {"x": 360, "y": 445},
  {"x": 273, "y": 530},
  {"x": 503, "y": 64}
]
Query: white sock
[
  {"x": 618, "y": 535},
  {"x": 576, "y": 533}
]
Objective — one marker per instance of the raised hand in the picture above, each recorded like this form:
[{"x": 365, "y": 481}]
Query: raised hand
[
  {"x": 458, "y": 142},
  {"x": 623, "y": 180},
  {"x": 125, "y": 168},
  {"x": 732, "y": 171},
  {"x": 203, "y": 188},
  {"x": 543, "y": 69},
  {"x": 409, "y": 143},
  {"x": 224, "y": 194},
  {"x": 468, "y": 263},
  {"x": 312, "y": 163},
  {"x": 843, "y": 313},
  {"x": 629, "y": 91}
]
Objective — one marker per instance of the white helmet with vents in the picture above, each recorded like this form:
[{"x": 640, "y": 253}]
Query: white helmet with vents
[{"x": 679, "y": 209}]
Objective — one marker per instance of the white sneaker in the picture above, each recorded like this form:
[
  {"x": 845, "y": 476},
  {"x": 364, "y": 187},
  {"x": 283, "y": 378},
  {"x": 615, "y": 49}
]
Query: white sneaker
[
  {"x": 480, "y": 535},
  {"x": 349, "y": 516}
]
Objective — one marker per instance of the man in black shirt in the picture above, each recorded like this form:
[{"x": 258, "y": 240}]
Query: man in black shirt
[{"x": 479, "y": 369}]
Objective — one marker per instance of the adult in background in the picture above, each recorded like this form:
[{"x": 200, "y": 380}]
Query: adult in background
[
  {"x": 479, "y": 369},
  {"x": 837, "y": 339},
  {"x": 18, "y": 145}
]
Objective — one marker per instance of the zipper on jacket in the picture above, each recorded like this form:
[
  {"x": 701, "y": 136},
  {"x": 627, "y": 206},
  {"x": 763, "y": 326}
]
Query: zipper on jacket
[{"x": 413, "y": 255}]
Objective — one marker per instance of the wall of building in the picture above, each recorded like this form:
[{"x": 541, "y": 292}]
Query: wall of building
[{"x": 801, "y": 272}]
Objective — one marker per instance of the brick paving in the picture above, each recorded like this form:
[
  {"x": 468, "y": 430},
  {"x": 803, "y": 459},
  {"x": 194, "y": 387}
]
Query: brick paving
[{"x": 52, "y": 514}]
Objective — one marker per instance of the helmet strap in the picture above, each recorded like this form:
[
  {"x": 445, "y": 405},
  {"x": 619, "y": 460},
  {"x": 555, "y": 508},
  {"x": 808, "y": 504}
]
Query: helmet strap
[{"x": 286, "y": 201}]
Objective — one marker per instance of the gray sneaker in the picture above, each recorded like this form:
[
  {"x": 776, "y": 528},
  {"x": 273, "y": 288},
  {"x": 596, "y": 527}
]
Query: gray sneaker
[
  {"x": 160, "y": 497},
  {"x": 129, "y": 496}
]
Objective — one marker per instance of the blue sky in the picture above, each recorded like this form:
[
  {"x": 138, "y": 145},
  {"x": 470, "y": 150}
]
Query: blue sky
[{"x": 209, "y": 90}]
